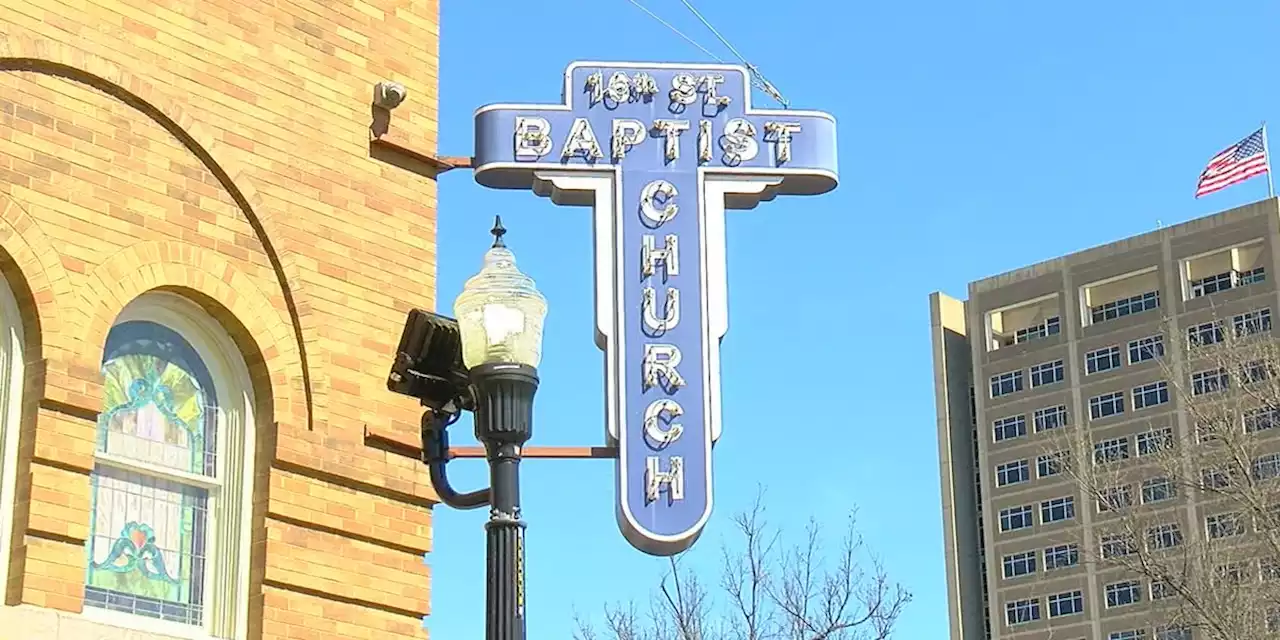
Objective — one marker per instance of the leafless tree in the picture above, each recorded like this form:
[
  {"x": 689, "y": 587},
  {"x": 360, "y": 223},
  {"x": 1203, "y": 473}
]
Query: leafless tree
[
  {"x": 768, "y": 589},
  {"x": 1189, "y": 508}
]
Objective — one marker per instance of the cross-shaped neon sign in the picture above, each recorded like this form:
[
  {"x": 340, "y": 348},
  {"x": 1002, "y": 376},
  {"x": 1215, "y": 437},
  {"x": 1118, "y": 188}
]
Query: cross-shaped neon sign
[{"x": 660, "y": 151}]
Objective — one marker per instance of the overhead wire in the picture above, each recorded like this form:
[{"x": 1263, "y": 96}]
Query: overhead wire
[
  {"x": 758, "y": 80},
  {"x": 676, "y": 31}
]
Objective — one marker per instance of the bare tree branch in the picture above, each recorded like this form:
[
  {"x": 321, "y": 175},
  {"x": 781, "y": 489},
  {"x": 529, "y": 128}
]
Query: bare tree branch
[
  {"x": 1190, "y": 508},
  {"x": 745, "y": 573},
  {"x": 771, "y": 591}
]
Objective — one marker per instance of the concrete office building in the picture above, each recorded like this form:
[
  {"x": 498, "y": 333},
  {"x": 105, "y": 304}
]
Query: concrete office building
[{"x": 1025, "y": 341}]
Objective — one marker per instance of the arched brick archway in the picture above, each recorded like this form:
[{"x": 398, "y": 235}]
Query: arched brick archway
[
  {"x": 37, "y": 276},
  {"x": 18, "y": 53},
  {"x": 255, "y": 324}
]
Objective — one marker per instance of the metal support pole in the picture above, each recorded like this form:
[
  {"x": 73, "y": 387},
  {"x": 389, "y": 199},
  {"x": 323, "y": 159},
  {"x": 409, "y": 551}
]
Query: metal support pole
[
  {"x": 504, "y": 533},
  {"x": 1266, "y": 155},
  {"x": 504, "y": 422}
]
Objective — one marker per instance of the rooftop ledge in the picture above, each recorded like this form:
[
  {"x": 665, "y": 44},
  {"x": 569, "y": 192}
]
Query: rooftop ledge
[{"x": 1267, "y": 206}]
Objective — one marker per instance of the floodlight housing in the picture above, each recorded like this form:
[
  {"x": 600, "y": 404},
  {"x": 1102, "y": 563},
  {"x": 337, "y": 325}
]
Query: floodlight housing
[{"x": 428, "y": 364}]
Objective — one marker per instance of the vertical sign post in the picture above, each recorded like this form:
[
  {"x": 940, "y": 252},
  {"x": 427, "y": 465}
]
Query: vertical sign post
[{"x": 660, "y": 151}]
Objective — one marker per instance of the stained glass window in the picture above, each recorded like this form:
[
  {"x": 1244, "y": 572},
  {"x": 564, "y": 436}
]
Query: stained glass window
[{"x": 155, "y": 476}]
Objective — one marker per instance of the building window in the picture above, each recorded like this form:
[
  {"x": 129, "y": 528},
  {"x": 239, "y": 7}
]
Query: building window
[
  {"x": 1047, "y": 373},
  {"x": 1269, "y": 519},
  {"x": 1155, "y": 440},
  {"x": 1051, "y": 464},
  {"x": 12, "y": 377},
  {"x": 1024, "y": 322},
  {"x": 1225, "y": 269},
  {"x": 1022, "y": 611},
  {"x": 1164, "y": 536},
  {"x": 1115, "y": 498},
  {"x": 1104, "y": 359},
  {"x": 1256, "y": 371},
  {"x": 1144, "y": 349},
  {"x": 1150, "y": 395},
  {"x": 1012, "y": 473},
  {"x": 1063, "y": 556},
  {"x": 1161, "y": 590},
  {"x": 1009, "y": 428},
  {"x": 1261, "y": 419},
  {"x": 1050, "y": 418},
  {"x": 174, "y": 449},
  {"x": 1131, "y": 634},
  {"x": 1057, "y": 510},
  {"x": 1224, "y": 525},
  {"x": 1106, "y": 405},
  {"x": 1124, "y": 593},
  {"x": 1209, "y": 381},
  {"x": 1267, "y": 467},
  {"x": 1015, "y": 518},
  {"x": 1112, "y": 450},
  {"x": 1252, "y": 276},
  {"x": 1230, "y": 574},
  {"x": 1158, "y": 490},
  {"x": 1213, "y": 478},
  {"x": 1269, "y": 569},
  {"x": 1066, "y": 604},
  {"x": 1205, "y": 334},
  {"x": 1125, "y": 307},
  {"x": 1004, "y": 384},
  {"x": 1173, "y": 633},
  {"x": 1019, "y": 564},
  {"x": 1117, "y": 545},
  {"x": 1211, "y": 428},
  {"x": 1252, "y": 323},
  {"x": 1211, "y": 284},
  {"x": 1050, "y": 327}
]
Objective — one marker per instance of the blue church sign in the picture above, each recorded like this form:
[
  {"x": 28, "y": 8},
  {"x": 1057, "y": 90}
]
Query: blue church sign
[{"x": 660, "y": 151}]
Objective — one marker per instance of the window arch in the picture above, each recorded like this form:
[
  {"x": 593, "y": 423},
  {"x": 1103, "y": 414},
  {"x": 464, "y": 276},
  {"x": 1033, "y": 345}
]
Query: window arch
[
  {"x": 12, "y": 379},
  {"x": 172, "y": 483}
]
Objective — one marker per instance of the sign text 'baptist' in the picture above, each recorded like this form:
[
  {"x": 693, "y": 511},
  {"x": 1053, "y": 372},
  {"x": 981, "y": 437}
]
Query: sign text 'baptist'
[{"x": 738, "y": 139}]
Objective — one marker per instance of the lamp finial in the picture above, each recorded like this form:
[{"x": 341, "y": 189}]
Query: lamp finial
[{"x": 498, "y": 231}]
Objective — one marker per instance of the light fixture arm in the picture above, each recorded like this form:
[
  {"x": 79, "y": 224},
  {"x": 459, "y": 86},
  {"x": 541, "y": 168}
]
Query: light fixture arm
[{"x": 435, "y": 453}]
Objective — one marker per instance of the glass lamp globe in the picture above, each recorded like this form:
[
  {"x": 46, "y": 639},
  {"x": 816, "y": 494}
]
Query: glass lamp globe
[{"x": 500, "y": 312}]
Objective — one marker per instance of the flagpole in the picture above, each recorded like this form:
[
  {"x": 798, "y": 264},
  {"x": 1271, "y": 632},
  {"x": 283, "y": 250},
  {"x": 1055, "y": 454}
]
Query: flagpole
[{"x": 1266, "y": 153}]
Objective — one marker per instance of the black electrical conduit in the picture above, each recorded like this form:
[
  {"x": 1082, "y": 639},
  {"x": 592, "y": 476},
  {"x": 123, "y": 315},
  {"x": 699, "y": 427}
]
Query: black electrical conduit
[{"x": 435, "y": 453}]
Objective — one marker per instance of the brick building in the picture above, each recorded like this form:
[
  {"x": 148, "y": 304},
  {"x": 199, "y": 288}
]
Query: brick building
[{"x": 206, "y": 265}]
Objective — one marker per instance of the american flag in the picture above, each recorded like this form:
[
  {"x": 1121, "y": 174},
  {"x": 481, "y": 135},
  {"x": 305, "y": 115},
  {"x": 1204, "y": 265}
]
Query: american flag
[{"x": 1236, "y": 163}]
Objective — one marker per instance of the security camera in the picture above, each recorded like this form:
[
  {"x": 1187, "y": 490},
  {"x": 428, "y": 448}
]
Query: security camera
[{"x": 389, "y": 95}]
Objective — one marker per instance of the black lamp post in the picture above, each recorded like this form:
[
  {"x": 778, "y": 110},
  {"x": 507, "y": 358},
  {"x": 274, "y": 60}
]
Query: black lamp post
[{"x": 486, "y": 362}]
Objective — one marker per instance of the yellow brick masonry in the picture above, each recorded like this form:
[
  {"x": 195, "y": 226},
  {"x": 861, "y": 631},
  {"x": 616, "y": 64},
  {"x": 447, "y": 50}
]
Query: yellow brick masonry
[{"x": 220, "y": 149}]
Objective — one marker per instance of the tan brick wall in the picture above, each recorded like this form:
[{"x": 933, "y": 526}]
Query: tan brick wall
[{"x": 220, "y": 149}]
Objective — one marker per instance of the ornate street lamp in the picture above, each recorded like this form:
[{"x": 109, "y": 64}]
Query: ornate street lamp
[
  {"x": 500, "y": 314},
  {"x": 485, "y": 362}
]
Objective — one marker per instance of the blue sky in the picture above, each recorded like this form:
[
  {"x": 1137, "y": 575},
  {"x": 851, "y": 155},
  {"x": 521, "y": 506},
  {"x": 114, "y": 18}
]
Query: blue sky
[{"x": 975, "y": 138}]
